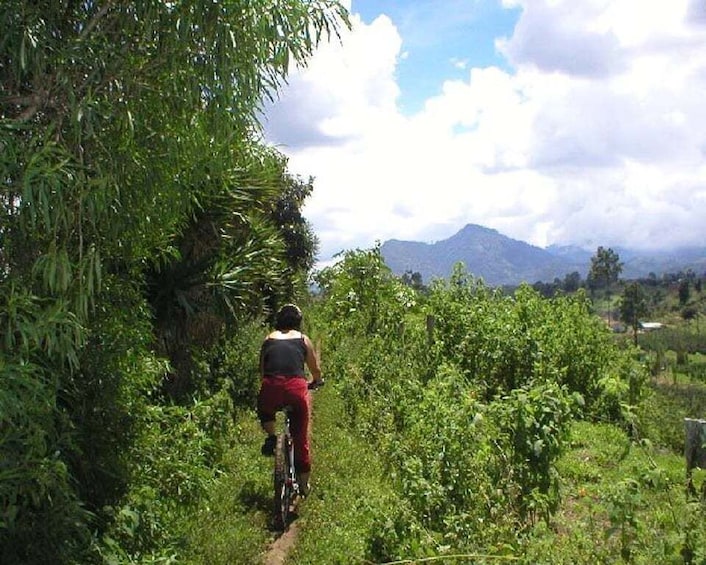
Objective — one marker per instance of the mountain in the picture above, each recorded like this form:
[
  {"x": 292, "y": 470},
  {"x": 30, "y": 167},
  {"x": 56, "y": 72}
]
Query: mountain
[
  {"x": 641, "y": 263},
  {"x": 500, "y": 260},
  {"x": 572, "y": 253},
  {"x": 486, "y": 253}
]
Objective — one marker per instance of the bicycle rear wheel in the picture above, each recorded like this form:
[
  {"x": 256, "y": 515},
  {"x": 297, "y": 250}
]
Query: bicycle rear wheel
[{"x": 282, "y": 484}]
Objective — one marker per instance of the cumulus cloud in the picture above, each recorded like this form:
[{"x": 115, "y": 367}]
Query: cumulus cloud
[
  {"x": 559, "y": 37},
  {"x": 342, "y": 85},
  {"x": 696, "y": 12},
  {"x": 593, "y": 133}
]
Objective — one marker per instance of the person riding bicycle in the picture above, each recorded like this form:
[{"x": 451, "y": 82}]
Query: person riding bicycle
[{"x": 283, "y": 355}]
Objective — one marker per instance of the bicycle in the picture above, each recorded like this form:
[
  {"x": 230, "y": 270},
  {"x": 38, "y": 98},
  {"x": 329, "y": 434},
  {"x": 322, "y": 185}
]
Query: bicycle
[{"x": 286, "y": 484}]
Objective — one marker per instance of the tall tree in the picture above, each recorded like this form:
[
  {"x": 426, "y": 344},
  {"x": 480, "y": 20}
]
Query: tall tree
[
  {"x": 605, "y": 268},
  {"x": 604, "y": 272},
  {"x": 120, "y": 119},
  {"x": 684, "y": 291},
  {"x": 414, "y": 279},
  {"x": 633, "y": 306},
  {"x": 299, "y": 238},
  {"x": 572, "y": 281}
]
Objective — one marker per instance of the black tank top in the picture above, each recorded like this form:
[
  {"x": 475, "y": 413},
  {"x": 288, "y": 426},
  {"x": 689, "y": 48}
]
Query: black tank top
[{"x": 283, "y": 357}]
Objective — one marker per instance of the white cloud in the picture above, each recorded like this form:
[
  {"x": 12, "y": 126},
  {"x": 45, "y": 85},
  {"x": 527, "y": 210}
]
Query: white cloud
[
  {"x": 596, "y": 137},
  {"x": 343, "y": 87},
  {"x": 461, "y": 64},
  {"x": 558, "y": 36}
]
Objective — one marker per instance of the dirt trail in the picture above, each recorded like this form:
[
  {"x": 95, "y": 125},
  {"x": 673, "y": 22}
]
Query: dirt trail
[{"x": 278, "y": 551}]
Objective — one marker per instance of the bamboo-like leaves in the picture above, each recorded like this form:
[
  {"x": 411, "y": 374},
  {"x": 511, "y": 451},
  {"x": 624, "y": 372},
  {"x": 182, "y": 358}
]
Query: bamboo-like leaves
[
  {"x": 128, "y": 146},
  {"x": 29, "y": 325}
]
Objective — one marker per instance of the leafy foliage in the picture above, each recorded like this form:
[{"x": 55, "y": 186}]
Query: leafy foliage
[
  {"x": 138, "y": 233},
  {"x": 36, "y": 486},
  {"x": 361, "y": 293},
  {"x": 534, "y": 426},
  {"x": 469, "y": 393}
]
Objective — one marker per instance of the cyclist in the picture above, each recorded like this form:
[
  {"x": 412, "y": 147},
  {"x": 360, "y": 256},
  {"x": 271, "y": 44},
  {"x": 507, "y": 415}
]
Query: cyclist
[{"x": 283, "y": 355}]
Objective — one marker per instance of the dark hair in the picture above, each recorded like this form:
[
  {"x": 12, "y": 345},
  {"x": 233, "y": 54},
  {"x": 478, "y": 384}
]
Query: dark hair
[{"x": 289, "y": 317}]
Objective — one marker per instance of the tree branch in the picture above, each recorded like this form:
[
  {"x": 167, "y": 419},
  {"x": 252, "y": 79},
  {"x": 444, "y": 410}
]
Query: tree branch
[
  {"x": 93, "y": 22},
  {"x": 29, "y": 100},
  {"x": 32, "y": 103}
]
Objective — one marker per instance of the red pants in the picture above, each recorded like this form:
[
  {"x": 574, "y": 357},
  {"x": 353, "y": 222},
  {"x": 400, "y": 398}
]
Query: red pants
[{"x": 277, "y": 392}]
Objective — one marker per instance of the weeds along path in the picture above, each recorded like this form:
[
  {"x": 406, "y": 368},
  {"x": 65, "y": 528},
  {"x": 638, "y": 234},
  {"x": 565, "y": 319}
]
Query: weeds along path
[
  {"x": 352, "y": 497},
  {"x": 231, "y": 525}
]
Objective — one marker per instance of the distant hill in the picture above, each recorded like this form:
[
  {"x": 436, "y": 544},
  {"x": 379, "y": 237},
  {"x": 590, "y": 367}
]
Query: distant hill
[
  {"x": 641, "y": 264},
  {"x": 500, "y": 260}
]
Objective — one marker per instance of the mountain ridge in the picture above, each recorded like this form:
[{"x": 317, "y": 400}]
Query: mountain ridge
[{"x": 501, "y": 260}]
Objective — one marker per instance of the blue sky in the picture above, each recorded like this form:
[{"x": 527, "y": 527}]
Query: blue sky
[
  {"x": 439, "y": 44},
  {"x": 552, "y": 121}
]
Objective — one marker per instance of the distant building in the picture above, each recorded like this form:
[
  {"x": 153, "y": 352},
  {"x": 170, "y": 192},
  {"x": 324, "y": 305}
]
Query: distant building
[{"x": 651, "y": 326}]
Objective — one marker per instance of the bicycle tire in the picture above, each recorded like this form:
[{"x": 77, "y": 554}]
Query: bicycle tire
[{"x": 281, "y": 484}]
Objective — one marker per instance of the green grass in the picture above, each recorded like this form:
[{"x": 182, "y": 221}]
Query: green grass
[
  {"x": 625, "y": 501},
  {"x": 622, "y": 502},
  {"x": 232, "y": 524},
  {"x": 347, "y": 518},
  {"x": 353, "y": 514},
  {"x": 662, "y": 413}
]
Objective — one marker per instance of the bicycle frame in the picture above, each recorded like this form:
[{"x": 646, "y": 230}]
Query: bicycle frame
[
  {"x": 285, "y": 476},
  {"x": 287, "y": 489}
]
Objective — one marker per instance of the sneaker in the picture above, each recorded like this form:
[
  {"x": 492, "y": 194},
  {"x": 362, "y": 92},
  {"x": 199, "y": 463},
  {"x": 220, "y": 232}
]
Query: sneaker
[{"x": 268, "y": 448}]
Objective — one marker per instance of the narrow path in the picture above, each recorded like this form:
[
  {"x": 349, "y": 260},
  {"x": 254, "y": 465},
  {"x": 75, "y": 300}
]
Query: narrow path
[{"x": 278, "y": 551}]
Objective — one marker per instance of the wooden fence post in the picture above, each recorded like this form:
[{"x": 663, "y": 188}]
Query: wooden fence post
[
  {"x": 694, "y": 450},
  {"x": 431, "y": 321}
]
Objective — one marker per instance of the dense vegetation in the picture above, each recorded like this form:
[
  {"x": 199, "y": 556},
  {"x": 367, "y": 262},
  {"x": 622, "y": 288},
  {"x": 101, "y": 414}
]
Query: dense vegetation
[
  {"x": 462, "y": 424},
  {"x": 144, "y": 224},
  {"x": 475, "y": 398},
  {"x": 147, "y": 235}
]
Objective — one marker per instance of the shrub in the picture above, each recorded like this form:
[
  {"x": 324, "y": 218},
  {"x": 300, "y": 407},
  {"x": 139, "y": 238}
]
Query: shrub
[
  {"x": 41, "y": 517},
  {"x": 470, "y": 411},
  {"x": 534, "y": 426}
]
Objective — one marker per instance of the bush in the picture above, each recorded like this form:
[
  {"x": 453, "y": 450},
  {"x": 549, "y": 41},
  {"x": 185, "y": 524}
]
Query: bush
[
  {"x": 534, "y": 426},
  {"x": 471, "y": 410},
  {"x": 675, "y": 339},
  {"x": 41, "y": 517}
]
